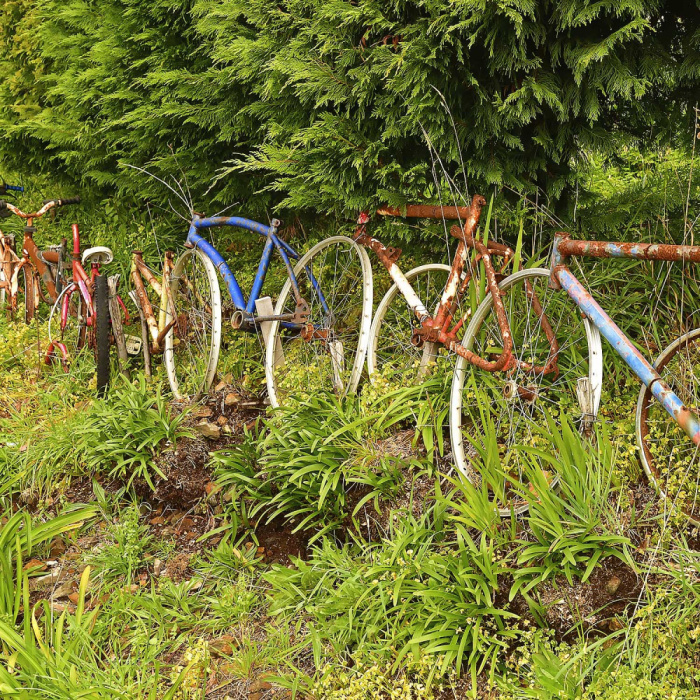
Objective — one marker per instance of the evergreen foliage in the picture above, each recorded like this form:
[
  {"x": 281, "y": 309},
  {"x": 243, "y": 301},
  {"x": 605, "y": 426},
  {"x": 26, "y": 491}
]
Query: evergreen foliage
[{"x": 333, "y": 105}]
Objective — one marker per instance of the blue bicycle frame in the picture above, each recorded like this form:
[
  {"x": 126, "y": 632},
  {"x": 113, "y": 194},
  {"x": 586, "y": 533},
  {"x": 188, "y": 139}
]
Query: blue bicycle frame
[
  {"x": 272, "y": 242},
  {"x": 561, "y": 277}
]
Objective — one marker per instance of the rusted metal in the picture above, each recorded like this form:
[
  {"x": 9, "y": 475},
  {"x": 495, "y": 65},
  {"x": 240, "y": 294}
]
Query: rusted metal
[
  {"x": 467, "y": 239},
  {"x": 31, "y": 251},
  {"x": 137, "y": 266},
  {"x": 511, "y": 390},
  {"x": 387, "y": 254},
  {"x": 50, "y": 256},
  {"x": 436, "y": 329},
  {"x": 158, "y": 331},
  {"x": 630, "y": 354},
  {"x": 150, "y": 277},
  {"x": 426, "y": 211},
  {"x": 309, "y": 333},
  {"x": 568, "y": 247}
]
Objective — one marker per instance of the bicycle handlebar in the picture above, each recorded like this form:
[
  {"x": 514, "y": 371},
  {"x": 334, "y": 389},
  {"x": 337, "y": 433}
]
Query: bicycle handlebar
[
  {"x": 63, "y": 202},
  {"x": 4, "y": 187},
  {"x": 48, "y": 205}
]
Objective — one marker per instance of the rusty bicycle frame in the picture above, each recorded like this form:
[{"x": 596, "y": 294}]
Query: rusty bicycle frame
[
  {"x": 442, "y": 328},
  {"x": 37, "y": 264},
  {"x": 159, "y": 328},
  {"x": 561, "y": 277}
]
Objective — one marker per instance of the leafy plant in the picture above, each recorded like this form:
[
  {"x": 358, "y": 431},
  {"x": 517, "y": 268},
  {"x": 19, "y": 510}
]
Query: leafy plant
[
  {"x": 19, "y": 538},
  {"x": 571, "y": 519},
  {"x": 413, "y": 593},
  {"x": 318, "y": 464},
  {"x": 124, "y": 556},
  {"x": 125, "y": 432}
]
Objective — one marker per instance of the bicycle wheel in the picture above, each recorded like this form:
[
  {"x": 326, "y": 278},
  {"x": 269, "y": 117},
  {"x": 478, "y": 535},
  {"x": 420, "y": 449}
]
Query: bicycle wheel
[
  {"x": 27, "y": 293},
  {"x": 670, "y": 459},
  {"x": 390, "y": 352},
  {"x": 335, "y": 279},
  {"x": 192, "y": 346},
  {"x": 101, "y": 334},
  {"x": 501, "y": 411},
  {"x": 72, "y": 333}
]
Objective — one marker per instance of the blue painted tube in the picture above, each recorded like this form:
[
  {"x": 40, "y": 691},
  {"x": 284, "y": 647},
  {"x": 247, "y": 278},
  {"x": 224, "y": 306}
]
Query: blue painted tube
[
  {"x": 634, "y": 359},
  {"x": 14, "y": 188},
  {"x": 193, "y": 238},
  {"x": 289, "y": 250},
  {"x": 237, "y": 221},
  {"x": 317, "y": 288},
  {"x": 259, "y": 280},
  {"x": 288, "y": 264}
]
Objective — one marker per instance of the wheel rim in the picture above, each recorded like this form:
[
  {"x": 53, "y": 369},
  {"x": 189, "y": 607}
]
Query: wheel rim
[
  {"x": 503, "y": 411},
  {"x": 329, "y": 353},
  {"x": 670, "y": 459},
  {"x": 191, "y": 346},
  {"x": 391, "y": 354},
  {"x": 74, "y": 334}
]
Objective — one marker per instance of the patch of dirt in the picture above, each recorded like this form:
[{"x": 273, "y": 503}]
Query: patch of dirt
[
  {"x": 414, "y": 495},
  {"x": 594, "y": 605},
  {"x": 217, "y": 423},
  {"x": 280, "y": 543}
]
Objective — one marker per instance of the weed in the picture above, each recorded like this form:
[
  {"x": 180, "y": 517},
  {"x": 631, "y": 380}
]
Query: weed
[
  {"x": 124, "y": 556},
  {"x": 126, "y": 431}
]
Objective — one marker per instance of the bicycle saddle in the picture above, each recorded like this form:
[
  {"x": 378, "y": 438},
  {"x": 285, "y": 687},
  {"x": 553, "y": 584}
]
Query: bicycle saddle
[{"x": 99, "y": 254}]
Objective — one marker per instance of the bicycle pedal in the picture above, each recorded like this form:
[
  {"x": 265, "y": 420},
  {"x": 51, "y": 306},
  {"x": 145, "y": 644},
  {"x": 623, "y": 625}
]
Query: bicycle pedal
[{"x": 133, "y": 344}]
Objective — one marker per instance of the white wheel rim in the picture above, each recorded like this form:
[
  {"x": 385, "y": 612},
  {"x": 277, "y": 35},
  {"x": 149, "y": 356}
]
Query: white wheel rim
[
  {"x": 363, "y": 337},
  {"x": 595, "y": 364},
  {"x": 215, "y": 343}
]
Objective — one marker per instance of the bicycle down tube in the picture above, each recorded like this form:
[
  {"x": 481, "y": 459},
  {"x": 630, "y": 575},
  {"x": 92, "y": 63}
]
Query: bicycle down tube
[
  {"x": 246, "y": 320},
  {"x": 562, "y": 278}
]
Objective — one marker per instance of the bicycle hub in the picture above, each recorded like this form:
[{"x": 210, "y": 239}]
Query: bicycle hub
[{"x": 511, "y": 391}]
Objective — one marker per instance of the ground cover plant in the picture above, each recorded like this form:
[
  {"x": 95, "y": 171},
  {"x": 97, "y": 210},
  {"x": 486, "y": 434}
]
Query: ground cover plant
[{"x": 328, "y": 549}]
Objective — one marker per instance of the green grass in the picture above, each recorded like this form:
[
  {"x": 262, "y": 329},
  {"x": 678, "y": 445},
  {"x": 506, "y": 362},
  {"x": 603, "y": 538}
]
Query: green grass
[{"x": 411, "y": 586}]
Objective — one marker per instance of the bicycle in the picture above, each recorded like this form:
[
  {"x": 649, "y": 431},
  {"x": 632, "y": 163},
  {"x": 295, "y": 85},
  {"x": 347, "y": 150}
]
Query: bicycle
[
  {"x": 541, "y": 378},
  {"x": 80, "y": 316},
  {"x": 405, "y": 336},
  {"x": 6, "y": 259},
  {"x": 154, "y": 330},
  {"x": 311, "y": 332},
  {"x": 25, "y": 271}
]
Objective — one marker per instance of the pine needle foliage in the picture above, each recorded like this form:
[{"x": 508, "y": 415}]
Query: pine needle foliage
[{"x": 336, "y": 105}]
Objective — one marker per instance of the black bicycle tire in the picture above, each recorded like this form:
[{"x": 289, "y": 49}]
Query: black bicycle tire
[{"x": 102, "y": 333}]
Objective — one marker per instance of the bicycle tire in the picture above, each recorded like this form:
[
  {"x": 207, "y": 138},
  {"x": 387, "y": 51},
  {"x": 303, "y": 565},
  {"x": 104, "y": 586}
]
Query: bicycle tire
[
  {"x": 348, "y": 325},
  {"x": 191, "y": 366},
  {"x": 102, "y": 334},
  {"x": 507, "y": 409},
  {"x": 393, "y": 308},
  {"x": 664, "y": 448}
]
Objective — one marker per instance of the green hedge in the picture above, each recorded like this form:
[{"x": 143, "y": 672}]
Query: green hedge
[{"x": 330, "y": 104}]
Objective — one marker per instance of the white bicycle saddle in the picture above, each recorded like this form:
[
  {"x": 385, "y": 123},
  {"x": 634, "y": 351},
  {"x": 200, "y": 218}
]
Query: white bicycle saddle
[{"x": 98, "y": 254}]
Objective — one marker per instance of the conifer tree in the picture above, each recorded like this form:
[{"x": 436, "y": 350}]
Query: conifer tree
[{"x": 336, "y": 104}]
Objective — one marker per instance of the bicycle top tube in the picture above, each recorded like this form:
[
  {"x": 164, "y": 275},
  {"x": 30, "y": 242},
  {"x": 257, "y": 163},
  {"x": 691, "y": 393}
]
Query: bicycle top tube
[
  {"x": 236, "y": 221},
  {"x": 242, "y": 223},
  {"x": 565, "y": 247}
]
